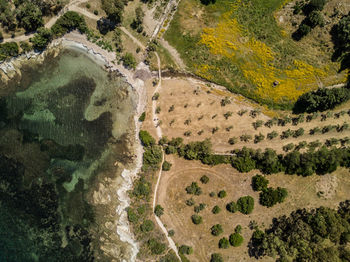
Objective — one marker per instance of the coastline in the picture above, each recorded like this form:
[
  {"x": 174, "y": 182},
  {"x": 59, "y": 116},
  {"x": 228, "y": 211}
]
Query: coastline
[{"x": 12, "y": 69}]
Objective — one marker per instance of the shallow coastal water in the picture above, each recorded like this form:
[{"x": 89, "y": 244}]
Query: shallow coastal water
[{"x": 62, "y": 129}]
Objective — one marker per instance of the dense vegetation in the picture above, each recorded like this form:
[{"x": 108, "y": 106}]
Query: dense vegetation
[
  {"x": 324, "y": 160},
  {"x": 321, "y": 100},
  {"x": 341, "y": 39},
  {"x": 320, "y": 234}
]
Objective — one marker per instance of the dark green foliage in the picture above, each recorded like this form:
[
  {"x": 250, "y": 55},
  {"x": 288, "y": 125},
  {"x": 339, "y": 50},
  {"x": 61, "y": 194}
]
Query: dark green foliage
[
  {"x": 315, "y": 18},
  {"x": 321, "y": 100},
  {"x": 245, "y": 204},
  {"x": 158, "y": 210},
  {"x": 199, "y": 208},
  {"x": 190, "y": 202},
  {"x": 147, "y": 226},
  {"x": 8, "y": 50},
  {"x": 142, "y": 188},
  {"x": 341, "y": 38},
  {"x": 238, "y": 229},
  {"x": 216, "y": 258},
  {"x": 194, "y": 189},
  {"x": 186, "y": 250},
  {"x": 259, "y": 183},
  {"x": 41, "y": 39},
  {"x": 212, "y": 194},
  {"x": 152, "y": 157},
  {"x": 132, "y": 216},
  {"x": 155, "y": 246},
  {"x": 166, "y": 166},
  {"x": 315, "y": 235},
  {"x": 243, "y": 161},
  {"x": 224, "y": 243},
  {"x": 259, "y": 138},
  {"x": 171, "y": 233},
  {"x": 271, "y": 196},
  {"x": 204, "y": 179},
  {"x": 232, "y": 207},
  {"x": 196, "y": 219},
  {"x": 114, "y": 10},
  {"x": 142, "y": 117},
  {"x": 272, "y": 135},
  {"x": 29, "y": 16},
  {"x": 129, "y": 61},
  {"x": 216, "y": 210},
  {"x": 236, "y": 239},
  {"x": 216, "y": 230},
  {"x": 146, "y": 139},
  {"x": 222, "y": 194},
  {"x": 69, "y": 21}
]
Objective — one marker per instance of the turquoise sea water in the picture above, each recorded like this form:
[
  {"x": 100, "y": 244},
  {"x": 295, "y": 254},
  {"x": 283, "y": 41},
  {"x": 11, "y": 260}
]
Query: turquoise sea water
[{"x": 61, "y": 130}]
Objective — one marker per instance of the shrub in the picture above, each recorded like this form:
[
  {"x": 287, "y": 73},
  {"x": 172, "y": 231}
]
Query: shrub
[
  {"x": 272, "y": 135},
  {"x": 69, "y": 21},
  {"x": 190, "y": 202},
  {"x": 95, "y": 12},
  {"x": 142, "y": 188},
  {"x": 288, "y": 147},
  {"x": 129, "y": 61},
  {"x": 146, "y": 139},
  {"x": 259, "y": 183},
  {"x": 225, "y": 101},
  {"x": 232, "y": 140},
  {"x": 155, "y": 96},
  {"x": 158, "y": 109},
  {"x": 236, "y": 239},
  {"x": 222, "y": 194},
  {"x": 224, "y": 243},
  {"x": 245, "y": 204},
  {"x": 232, "y": 207},
  {"x": 315, "y": 18},
  {"x": 166, "y": 166},
  {"x": 298, "y": 132},
  {"x": 142, "y": 117},
  {"x": 199, "y": 208},
  {"x": 152, "y": 157},
  {"x": 171, "y": 233},
  {"x": 194, "y": 189},
  {"x": 132, "y": 216},
  {"x": 156, "y": 247},
  {"x": 321, "y": 100},
  {"x": 258, "y": 124},
  {"x": 216, "y": 210},
  {"x": 41, "y": 39},
  {"x": 259, "y": 138},
  {"x": 204, "y": 179},
  {"x": 8, "y": 50},
  {"x": 185, "y": 250},
  {"x": 88, "y": 6},
  {"x": 238, "y": 229},
  {"x": 212, "y": 194},
  {"x": 216, "y": 230},
  {"x": 216, "y": 258},
  {"x": 270, "y": 196},
  {"x": 158, "y": 210},
  {"x": 147, "y": 226},
  {"x": 196, "y": 219}
]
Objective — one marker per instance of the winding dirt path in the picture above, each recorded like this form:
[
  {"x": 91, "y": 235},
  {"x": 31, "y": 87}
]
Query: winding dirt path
[{"x": 159, "y": 135}]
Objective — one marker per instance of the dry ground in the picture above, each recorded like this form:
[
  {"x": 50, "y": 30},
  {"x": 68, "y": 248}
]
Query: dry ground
[
  {"x": 172, "y": 196},
  {"x": 193, "y": 100},
  {"x": 304, "y": 192}
]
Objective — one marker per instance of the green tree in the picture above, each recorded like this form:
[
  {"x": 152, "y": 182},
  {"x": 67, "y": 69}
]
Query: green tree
[
  {"x": 259, "y": 183},
  {"x": 155, "y": 246},
  {"x": 186, "y": 250},
  {"x": 166, "y": 166},
  {"x": 216, "y": 230},
  {"x": 232, "y": 207},
  {"x": 216, "y": 258},
  {"x": 204, "y": 179},
  {"x": 158, "y": 210},
  {"x": 41, "y": 39},
  {"x": 147, "y": 226},
  {"x": 216, "y": 210},
  {"x": 224, "y": 243},
  {"x": 129, "y": 61},
  {"x": 222, "y": 194},
  {"x": 236, "y": 239},
  {"x": 29, "y": 16},
  {"x": 245, "y": 204},
  {"x": 270, "y": 196},
  {"x": 196, "y": 219},
  {"x": 146, "y": 139}
]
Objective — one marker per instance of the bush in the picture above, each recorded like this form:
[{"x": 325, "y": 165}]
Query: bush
[
  {"x": 216, "y": 230},
  {"x": 222, "y": 194},
  {"x": 238, "y": 229},
  {"x": 232, "y": 140},
  {"x": 142, "y": 188},
  {"x": 216, "y": 258},
  {"x": 270, "y": 196},
  {"x": 129, "y": 61},
  {"x": 194, "y": 189},
  {"x": 171, "y": 233},
  {"x": 156, "y": 247},
  {"x": 190, "y": 202},
  {"x": 186, "y": 250},
  {"x": 69, "y": 21},
  {"x": 212, "y": 194},
  {"x": 196, "y": 219},
  {"x": 204, "y": 179},
  {"x": 199, "y": 208},
  {"x": 8, "y": 50},
  {"x": 166, "y": 166},
  {"x": 232, "y": 207},
  {"x": 321, "y": 100},
  {"x": 224, "y": 243},
  {"x": 216, "y": 210},
  {"x": 315, "y": 18},
  {"x": 132, "y": 216},
  {"x": 142, "y": 117},
  {"x": 41, "y": 39},
  {"x": 236, "y": 239},
  {"x": 245, "y": 204},
  {"x": 147, "y": 226},
  {"x": 152, "y": 157},
  {"x": 158, "y": 210},
  {"x": 146, "y": 139},
  {"x": 259, "y": 183}
]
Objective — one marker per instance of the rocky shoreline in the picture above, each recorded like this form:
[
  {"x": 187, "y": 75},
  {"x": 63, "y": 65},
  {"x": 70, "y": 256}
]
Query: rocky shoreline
[{"x": 10, "y": 70}]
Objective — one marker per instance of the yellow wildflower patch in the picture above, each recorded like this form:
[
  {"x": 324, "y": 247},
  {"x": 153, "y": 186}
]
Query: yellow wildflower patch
[{"x": 256, "y": 61}]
